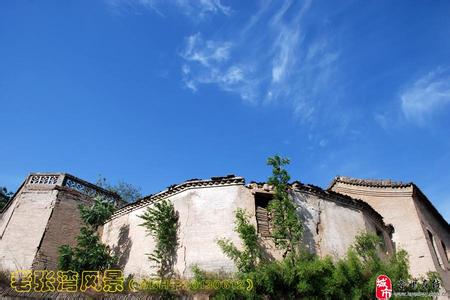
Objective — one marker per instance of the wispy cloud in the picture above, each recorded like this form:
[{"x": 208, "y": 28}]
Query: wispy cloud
[
  {"x": 426, "y": 96},
  {"x": 206, "y": 53},
  {"x": 201, "y": 8},
  {"x": 208, "y": 62},
  {"x": 134, "y": 6},
  {"x": 198, "y": 9},
  {"x": 268, "y": 59}
]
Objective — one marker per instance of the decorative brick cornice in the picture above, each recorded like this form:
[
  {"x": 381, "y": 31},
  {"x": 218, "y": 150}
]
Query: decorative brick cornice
[
  {"x": 359, "y": 191},
  {"x": 381, "y": 183},
  {"x": 48, "y": 181},
  {"x": 178, "y": 188},
  {"x": 43, "y": 180}
]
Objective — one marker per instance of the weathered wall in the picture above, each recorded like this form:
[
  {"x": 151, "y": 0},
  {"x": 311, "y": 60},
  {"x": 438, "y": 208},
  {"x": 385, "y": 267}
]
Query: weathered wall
[
  {"x": 23, "y": 225},
  {"x": 397, "y": 207},
  {"x": 42, "y": 216},
  {"x": 205, "y": 215},
  {"x": 439, "y": 243},
  {"x": 62, "y": 228},
  {"x": 330, "y": 227}
]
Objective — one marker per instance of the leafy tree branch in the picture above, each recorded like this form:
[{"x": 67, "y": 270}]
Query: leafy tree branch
[
  {"x": 161, "y": 221},
  {"x": 89, "y": 253},
  {"x": 287, "y": 228},
  {"x": 247, "y": 259}
]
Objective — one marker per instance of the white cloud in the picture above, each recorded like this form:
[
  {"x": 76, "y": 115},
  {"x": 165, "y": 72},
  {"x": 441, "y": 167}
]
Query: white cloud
[
  {"x": 197, "y": 9},
  {"x": 207, "y": 53},
  {"x": 426, "y": 96},
  {"x": 127, "y": 6},
  {"x": 287, "y": 44},
  {"x": 209, "y": 62},
  {"x": 268, "y": 59},
  {"x": 201, "y": 8}
]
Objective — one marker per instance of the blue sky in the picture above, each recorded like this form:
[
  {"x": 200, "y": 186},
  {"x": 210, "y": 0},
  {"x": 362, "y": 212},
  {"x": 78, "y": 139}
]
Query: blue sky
[{"x": 155, "y": 92}]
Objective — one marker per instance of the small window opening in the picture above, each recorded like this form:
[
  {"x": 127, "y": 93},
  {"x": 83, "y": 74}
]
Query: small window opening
[{"x": 263, "y": 217}]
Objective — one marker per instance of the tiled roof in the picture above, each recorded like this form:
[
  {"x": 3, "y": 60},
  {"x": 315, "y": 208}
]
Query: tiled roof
[
  {"x": 383, "y": 183},
  {"x": 369, "y": 182},
  {"x": 178, "y": 188}
]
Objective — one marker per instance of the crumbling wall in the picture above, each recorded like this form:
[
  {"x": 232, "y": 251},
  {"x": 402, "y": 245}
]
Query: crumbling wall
[
  {"x": 62, "y": 228},
  {"x": 43, "y": 216},
  {"x": 330, "y": 227},
  {"x": 23, "y": 225},
  {"x": 397, "y": 207},
  {"x": 205, "y": 215},
  {"x": 437, "y": 238}
]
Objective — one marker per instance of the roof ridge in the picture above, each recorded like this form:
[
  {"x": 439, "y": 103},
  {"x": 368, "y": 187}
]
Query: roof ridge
[
  {"x": 177, "y": 188},
  {"x": 369, "y": 182}
]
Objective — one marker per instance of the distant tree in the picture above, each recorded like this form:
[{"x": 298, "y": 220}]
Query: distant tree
[
  {"x": 126, "y": 191},
  {"x": 5, "y": 196},
  {"x": 89, "y": 253}
]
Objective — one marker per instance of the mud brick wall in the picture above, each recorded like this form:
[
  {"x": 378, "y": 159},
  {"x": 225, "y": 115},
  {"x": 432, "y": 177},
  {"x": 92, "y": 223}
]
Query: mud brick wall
[{"x": 62, "y": 228}]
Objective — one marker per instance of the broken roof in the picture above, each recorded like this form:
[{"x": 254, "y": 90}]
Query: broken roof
[{"x": 236, "y": 180}]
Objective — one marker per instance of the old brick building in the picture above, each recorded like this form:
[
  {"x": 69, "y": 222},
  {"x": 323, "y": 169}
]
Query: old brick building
[
  {"x": 419, "y": 227},
  {"x": 43, "y": 215}
]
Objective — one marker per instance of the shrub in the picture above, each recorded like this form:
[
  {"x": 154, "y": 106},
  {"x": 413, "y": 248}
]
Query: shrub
[
  {"x": 89, "y": 253},
  {"x": 301, "y": 274},
  {"x": 161, "y": 221},
  {"x": 247, "y": 259}
]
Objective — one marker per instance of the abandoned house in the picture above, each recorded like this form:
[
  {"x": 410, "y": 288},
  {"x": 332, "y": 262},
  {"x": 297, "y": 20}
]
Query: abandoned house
[{"x": 43, "y": 214}]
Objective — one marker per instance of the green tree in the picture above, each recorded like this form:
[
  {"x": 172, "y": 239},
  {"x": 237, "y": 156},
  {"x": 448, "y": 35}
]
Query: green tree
[
  {"x": 287, "y": 228},
  {"x": 97, "y": 214},
  {"x": 5, "y": 196},
  {"x": 247, "y": 259},
  {"x": 301, "y": 274},
  {"x": 126, "y": 191},
  {"x": 310, "y": 276},
  {"x": 89, "y": 253},
  {"x": 161, "y": 221}
]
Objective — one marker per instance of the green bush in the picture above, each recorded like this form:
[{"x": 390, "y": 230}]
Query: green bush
[
  {"x": 161, "y": 221},
  {"x": 89, "y": 254},
  {"x": 309, "y": 276},
  {"x": 301, "y": 274},
  {"x": 248, "y": 258}
]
